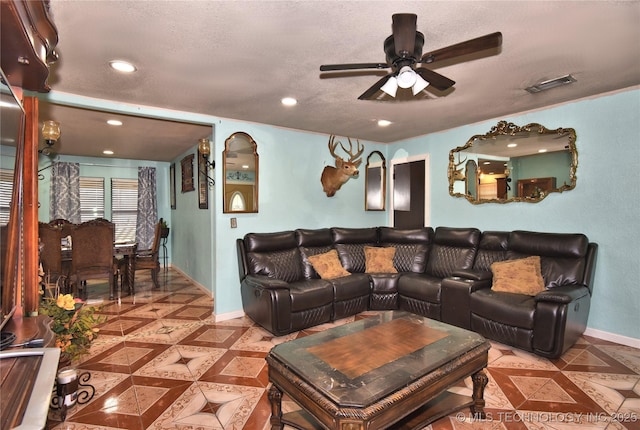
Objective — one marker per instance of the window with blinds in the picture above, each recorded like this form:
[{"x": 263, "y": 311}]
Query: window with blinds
[
  {"x": 6, "y": 186},
  {"x": 124, "y": 208},
  {"x": 91, "y": 198}
]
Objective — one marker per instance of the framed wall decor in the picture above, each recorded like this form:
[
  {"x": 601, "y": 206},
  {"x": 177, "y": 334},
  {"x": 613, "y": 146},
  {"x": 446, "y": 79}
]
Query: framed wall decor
[
  {"x": 203, "y": 185},
  {"x": 187, "y": 173},
  {"x": 172, "y": 185}
]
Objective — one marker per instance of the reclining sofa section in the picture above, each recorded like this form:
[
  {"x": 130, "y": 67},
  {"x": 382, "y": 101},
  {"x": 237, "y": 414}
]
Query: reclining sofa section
[{"x": 445, "y": 274}]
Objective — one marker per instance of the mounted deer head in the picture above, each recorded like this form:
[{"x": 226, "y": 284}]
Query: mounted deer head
[
  {"x": 458, "y": 174},
  {"x": 333, "y": 177}
]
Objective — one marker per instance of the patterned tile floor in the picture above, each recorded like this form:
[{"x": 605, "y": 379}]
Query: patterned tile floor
[{"x": 162, "y": 362}]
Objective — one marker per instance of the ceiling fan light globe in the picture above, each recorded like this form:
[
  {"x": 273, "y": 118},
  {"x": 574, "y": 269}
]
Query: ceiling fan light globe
[
  {"x": 406, "y": 77},
  {"x": 420, "y": 85},
  {"x": 391, "y": 86}
]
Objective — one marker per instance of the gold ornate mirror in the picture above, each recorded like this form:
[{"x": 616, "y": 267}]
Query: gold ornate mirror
[
  {"x": 375, "y": 182},
  {"x": 514, "y": 164},
  {"x": 240, "y": 171}
]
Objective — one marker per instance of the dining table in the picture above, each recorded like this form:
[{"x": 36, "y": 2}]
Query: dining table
[{"x": 124, "y": 250}]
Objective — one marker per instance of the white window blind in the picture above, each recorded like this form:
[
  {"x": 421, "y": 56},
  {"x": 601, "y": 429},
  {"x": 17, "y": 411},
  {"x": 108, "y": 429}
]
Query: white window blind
[
  {"x": 124, "y": 208},
  {"x": 6, "y": 186},
  {"x": 91, "y": 198}
]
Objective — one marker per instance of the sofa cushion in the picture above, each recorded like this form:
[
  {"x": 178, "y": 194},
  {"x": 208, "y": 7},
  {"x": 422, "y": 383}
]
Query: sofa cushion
[
  {"x": 305, "y": 252},
  {"x": 350, "y": 243},
  {"x": 521, "y": 276},
  {"x": 562, "y": 255},
  {"x": 349, "y": 287},
  {"x": 328, "y": 265},
  {"x": 493, "y": 247},
  {"x": 310, "y": 294},
  {"x": 412, "y": 247},
  {"x": 420, "y": 286},
  {"x": 452, "y": 249},
  {"x": 285, "y": 265},
  {"x": 379, "y": 260},
  {"x": 515, "y": 310}
]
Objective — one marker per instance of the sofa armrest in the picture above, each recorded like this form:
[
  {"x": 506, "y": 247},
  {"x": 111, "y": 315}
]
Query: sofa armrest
[
  {"x": 474, "y": 275},
  {"x": 563, "y": 294},
  {"x": 267, "y": 301},
  {"x": 262, "y": 281}
]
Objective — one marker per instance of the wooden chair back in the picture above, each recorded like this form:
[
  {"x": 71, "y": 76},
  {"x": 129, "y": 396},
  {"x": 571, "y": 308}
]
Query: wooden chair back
[
  {"x": 92, "y": 254},
  {"x": 51, "y": 251},
  {"x": 149, "y": 259}
]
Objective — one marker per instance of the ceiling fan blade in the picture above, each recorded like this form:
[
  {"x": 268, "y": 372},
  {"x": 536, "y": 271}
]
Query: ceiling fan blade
[
  {"x": 371, "y": 91},
  {"x": 355, "y": 66},
  {"x": 481, "y": 43},
  {"x": 435, "y": 79},
  {"x": 404, "y": 33}
]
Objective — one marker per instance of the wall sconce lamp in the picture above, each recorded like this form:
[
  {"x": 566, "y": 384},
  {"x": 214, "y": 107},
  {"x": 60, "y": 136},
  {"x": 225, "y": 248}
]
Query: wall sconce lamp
[
  {"x": 204, "y": 149},
  {"x": 51, "y": 133}
]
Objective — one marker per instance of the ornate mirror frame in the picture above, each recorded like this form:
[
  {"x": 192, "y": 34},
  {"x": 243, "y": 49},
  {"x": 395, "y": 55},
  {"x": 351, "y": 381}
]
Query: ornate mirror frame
[
  {"x": 375, "y": 189},
  {"x": 240, "y": 174},
  {"x": 527, "y": 172}
]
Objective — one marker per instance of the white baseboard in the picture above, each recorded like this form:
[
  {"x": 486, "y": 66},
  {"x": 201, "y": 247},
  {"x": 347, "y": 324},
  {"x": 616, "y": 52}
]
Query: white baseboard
[
  {"x": 229, "y": 316},
  {"x": 612, "y": 337},
  {"x": 196, "y": 283}
]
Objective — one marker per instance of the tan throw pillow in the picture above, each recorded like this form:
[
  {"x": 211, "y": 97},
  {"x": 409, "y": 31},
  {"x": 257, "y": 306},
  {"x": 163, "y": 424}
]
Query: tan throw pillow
[
  {"x": 379, "y": 260},
  {"x": 328, "y": 265},
  {"x": 522, "y": 276}
]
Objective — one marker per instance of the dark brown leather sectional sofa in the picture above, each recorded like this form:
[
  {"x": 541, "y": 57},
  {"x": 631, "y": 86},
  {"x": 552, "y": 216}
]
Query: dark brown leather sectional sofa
[{"x": 444, "y": 274}]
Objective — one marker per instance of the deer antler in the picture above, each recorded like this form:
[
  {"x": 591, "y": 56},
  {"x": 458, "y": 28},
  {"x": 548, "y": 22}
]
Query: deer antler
[
  {"x": 353, "y": 156},
  {"x": 460, "y": 162},
  {"x": 333, "y": 146}
]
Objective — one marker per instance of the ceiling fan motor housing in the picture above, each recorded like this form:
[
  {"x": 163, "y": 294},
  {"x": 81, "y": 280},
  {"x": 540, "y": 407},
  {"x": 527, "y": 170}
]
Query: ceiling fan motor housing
[{"x": 394, "y": 60}]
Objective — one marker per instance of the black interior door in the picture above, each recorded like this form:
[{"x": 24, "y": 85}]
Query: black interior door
[{"x": 408, "y": 194}]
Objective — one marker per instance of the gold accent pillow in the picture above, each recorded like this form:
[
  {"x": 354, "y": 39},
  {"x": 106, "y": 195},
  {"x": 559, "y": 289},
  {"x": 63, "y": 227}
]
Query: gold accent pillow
[
  {"x": 328, "y": 265},
  {"x": 379, "y": 260},
  {"x": 522, "y": 276}
]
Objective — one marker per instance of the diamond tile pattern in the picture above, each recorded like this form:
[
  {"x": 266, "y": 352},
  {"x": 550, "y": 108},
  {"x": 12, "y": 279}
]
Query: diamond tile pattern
[{"x": 161, "y": 362}]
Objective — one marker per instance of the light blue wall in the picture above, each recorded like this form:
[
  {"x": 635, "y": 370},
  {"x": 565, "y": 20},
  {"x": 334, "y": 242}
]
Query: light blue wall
[
  {"x": 290, "y": 197},
  {"x": 605, "y": 205},
  {"x": 192, "y": 231}
]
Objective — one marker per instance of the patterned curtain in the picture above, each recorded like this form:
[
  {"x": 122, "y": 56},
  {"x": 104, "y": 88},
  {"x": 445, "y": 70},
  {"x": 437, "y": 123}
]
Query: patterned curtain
[
  {"x": 147, "y": 207},
  {"x": 65, "y": 192}
]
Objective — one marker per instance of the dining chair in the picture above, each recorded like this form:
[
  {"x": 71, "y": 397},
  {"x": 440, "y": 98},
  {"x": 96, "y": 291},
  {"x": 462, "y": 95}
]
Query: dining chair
[
  {"x": 149, "y": 258},
  {"x": 92, "y": 254},
  {"x": 64, "y": 225},
  {"x": 55, "y": 271}
]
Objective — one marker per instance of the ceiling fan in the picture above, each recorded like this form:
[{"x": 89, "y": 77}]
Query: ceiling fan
[{"x": 403, "y": 50}]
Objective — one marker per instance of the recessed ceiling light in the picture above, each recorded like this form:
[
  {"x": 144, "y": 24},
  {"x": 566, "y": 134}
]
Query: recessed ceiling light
[
  {"x": 542, "y": 150},
  {"x": 245, "y": 166},
  {"x": 114, "y": 122},
  {"x": 107, "y": 152},
  {"x": 289, "y": 101},
  {"x": 122, "y": 66},
  {"x": 512, "y": 145},
  {"x": 384, "y": 123}
]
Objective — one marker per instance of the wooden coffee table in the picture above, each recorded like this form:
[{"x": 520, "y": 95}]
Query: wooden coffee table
[{"x": 392, "y": 369}]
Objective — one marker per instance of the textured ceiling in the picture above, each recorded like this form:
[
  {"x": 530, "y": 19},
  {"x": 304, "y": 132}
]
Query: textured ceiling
[{"x": 237, "y": 59}]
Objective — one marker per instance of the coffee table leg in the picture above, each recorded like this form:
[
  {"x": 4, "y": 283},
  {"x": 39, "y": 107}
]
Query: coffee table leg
[
  {"x": 275, "y": 397},
  {"x": 480, "y": 381}
]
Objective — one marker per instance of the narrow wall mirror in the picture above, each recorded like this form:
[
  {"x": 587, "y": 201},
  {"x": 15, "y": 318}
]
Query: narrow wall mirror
[
  {"x": 375, "y": 182},
  {"x": 514, "y": 164},
  {"x": 240, "y": 172}
]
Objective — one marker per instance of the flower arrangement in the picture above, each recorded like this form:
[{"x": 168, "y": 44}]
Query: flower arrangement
[{"x": 73, "y": 323}]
